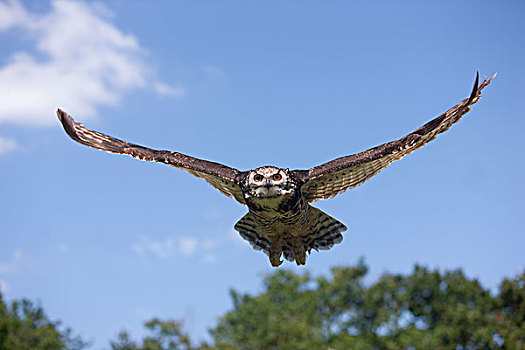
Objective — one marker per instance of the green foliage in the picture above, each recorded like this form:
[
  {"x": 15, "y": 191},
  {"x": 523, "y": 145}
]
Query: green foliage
[
  {"x": 424, "y": 310},
  {"x": 511, "y": 312},
  {"x": 284, "y": 317},
  {"x": 24, "y": 326},
  {"x": 164, "y": 335}
]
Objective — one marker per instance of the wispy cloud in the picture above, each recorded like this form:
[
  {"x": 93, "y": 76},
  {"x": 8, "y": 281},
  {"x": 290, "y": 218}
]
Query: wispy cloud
[
  {"x": 188, "y": 245},
  {"x": 159, "y": 248},
  {"x": 11, "y": 12},
  {"x": 7, "y": 145},
  {"x": 4, "y": 287},
  {"x": 10, "y": 267},
  {"x": 79, "y": 61},
  {"x": 163, "y": 248},
  {"x": 167, "y": 90},
  {"x": 183, "y": 246},
  {"x": 13, "y": 265}
]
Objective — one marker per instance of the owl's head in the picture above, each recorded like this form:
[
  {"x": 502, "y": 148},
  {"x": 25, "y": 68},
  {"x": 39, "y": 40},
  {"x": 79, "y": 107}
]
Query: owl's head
[{"x": 268, "y": 181}]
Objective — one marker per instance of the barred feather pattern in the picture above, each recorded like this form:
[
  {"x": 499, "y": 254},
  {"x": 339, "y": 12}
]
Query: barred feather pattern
[
  {"x": 335, "y": 177},
  {"x": 325, "y": 232},
  {"x": 280, "y": 220},
  {"x": 220, "y": 176},
  {"x": 322, "y": 233}
]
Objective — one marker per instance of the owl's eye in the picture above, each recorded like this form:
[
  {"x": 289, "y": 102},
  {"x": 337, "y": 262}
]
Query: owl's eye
[
  {"x": 258, "y": 178},
  {"x": 277, "y": 177}
]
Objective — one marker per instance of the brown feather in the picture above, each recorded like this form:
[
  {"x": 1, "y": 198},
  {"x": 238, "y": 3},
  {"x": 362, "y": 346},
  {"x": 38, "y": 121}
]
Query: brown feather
[
  {"x": 220, "y": 176},
  {"x": 337, "y": 176}
]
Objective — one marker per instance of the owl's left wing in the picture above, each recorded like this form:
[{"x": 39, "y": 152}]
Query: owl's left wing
[
  {"x": 337, "y": 176},
  {"x": 220, "y": 176}
]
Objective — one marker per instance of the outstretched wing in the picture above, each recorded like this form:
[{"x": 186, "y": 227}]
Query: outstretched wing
[
  {"x": 337, "y": 176},
  {"x": 222, "y": 177}
]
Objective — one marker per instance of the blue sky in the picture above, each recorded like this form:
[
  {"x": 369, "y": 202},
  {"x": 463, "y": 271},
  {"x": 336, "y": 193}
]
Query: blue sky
[{"x": 105, "y": 241}]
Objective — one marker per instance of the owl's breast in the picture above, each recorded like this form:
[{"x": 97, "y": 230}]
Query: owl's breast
[
  {"x": 277, "y": 216},
  {"x": 275, "y": 204}
]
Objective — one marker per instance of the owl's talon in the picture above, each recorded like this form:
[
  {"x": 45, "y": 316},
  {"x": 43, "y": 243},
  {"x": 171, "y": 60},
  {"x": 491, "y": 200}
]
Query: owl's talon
[
  {"x": 300, "y": 259},
  {"x": 275, "y": 252},
  {"x": 299, "y": 252},
  {"x": 276, "y": 263},
  {"x": 275, "y": 259}
]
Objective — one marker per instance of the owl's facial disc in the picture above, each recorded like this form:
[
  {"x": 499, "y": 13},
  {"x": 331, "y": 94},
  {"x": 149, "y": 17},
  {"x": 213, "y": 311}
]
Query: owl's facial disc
[{"x": 268, "y": 182}]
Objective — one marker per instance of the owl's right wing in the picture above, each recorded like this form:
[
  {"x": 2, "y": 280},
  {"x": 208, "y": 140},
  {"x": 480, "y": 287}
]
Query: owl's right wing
[
  {"x": 337, "y": 176},
  {"x": 220, "y": 176}
]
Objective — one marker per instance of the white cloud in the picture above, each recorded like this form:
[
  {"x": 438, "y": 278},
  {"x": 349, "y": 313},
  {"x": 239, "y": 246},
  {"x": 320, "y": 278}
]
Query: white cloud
[
  {"x": 166, "y": 90},
  {"x": 187, "y": 245},
  {"x": 4, "y": 287},
  {"x": 7, "y": 145},
  {"x": 13, "y": 265},
  {"x": 80, "y": 61},
  {"x": 11, "y": 12},
  {"x": 161, "y": 249},
  {"x": 166, "y": 247}
]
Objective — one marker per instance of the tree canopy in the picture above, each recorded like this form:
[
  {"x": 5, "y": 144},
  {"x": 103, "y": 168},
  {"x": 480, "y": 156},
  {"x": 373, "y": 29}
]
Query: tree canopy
[
  {"x": 164, "y": 335},
  {"x": 426, "y": 309},
  {"x": 24, "y": 326}
]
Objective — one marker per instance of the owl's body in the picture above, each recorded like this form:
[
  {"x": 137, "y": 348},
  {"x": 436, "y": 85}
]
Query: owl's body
[{"x": 280, "y": 220}]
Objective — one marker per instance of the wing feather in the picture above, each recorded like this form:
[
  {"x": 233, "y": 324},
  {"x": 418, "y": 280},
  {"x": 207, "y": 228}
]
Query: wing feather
[
  {"x": 337, "y": 176},
  {"x": 220, "y": 176}
]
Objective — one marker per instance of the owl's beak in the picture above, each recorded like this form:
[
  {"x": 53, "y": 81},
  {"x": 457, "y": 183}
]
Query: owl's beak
[{"x": 268, "y": 185}]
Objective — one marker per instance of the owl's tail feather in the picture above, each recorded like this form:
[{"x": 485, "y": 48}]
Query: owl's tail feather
[
  {"x": 324, "y": 231},
  {"x": 247, "y": 228}
]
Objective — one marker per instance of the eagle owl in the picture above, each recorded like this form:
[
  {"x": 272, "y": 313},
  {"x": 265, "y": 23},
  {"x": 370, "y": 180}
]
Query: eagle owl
[{"x": 280, "y": 220}]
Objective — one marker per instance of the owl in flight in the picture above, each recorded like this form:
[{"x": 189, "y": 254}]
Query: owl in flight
[{"x": 280, "y": 219}]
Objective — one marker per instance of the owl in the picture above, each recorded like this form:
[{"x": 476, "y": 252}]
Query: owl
[{"x": 281, "y": 221}]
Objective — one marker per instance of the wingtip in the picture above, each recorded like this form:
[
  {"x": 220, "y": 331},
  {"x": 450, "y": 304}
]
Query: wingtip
[
  {"x": 486, "y": 81},
  {"x": 67, "y": 123},
  {"x": 61, "y": 115},
  {"x": 492, "y": 77},
  {"x": 64, "y": 118},
  {"x": 474, "y": 92}
]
